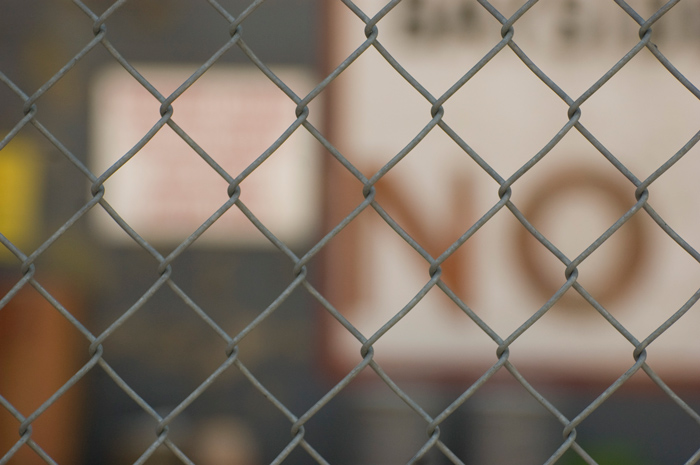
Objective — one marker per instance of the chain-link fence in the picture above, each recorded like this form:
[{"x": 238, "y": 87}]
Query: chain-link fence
[{"x": 188, "y": 189}]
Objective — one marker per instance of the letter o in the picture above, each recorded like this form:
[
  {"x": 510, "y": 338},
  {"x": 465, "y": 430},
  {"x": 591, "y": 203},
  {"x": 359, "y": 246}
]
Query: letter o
[{"x": 535, "y": 208}]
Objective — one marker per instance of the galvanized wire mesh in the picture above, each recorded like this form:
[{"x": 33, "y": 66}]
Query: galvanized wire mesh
[{"x": 299, "y": 121}]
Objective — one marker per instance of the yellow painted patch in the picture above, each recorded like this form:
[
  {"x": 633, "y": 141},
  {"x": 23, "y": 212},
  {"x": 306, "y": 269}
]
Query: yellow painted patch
[{"x": 20, "y": 196}]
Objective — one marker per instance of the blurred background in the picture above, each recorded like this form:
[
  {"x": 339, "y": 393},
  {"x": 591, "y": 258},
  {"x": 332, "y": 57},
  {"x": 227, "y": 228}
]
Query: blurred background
[{"x": 97, "y": 112}]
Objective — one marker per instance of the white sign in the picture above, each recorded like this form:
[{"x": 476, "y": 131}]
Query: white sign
[
  {"x": 506, "y": 114},
  {"x": 234, "y": 113}
]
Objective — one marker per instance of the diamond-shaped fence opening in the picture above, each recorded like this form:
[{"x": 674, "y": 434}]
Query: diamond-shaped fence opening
[{"x": 336, "y": 232}]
